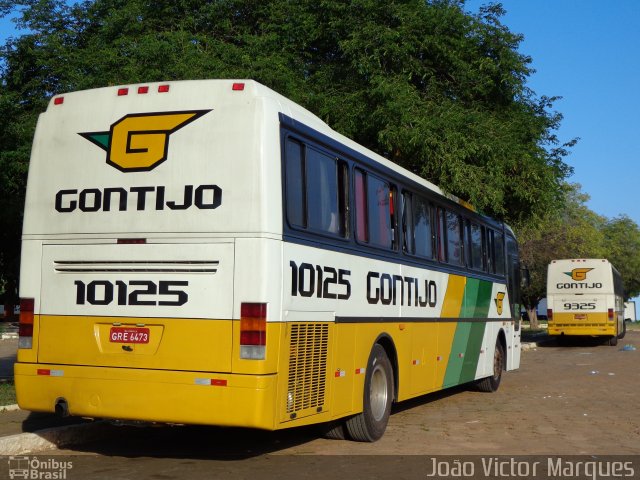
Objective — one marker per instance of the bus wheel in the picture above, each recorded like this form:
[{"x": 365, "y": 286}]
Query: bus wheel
[
  {"x": 335, "y": 430},
  {"x": 491, "y": 384},
  {"x": 624, "y": 330},
  {"x": 613, "y": 341},
  {"x": 369, "y": 425}
]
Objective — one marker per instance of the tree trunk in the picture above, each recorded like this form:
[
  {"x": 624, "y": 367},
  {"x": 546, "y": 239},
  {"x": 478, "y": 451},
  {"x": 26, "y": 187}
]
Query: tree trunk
[{"x": 533, "y": 318}]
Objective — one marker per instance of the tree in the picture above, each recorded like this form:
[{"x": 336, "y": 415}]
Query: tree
[
  {"x": 434, "y": 88},
  {"x": 622, "y": 249}
]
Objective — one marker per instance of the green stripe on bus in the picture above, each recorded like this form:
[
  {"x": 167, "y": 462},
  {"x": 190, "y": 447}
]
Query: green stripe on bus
[
  {"x": 456, "y": 357},
  {"x": 472, "y": 354},
  {"x": 483, "y": 300},
  {"x": 470, "y": 298}
]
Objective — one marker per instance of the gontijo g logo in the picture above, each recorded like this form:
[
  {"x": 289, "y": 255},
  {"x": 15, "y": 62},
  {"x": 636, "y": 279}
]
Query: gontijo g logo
[
  {"x": 578, "y": 274},
  {"x": 139, "y": 142},
  {"x": 499, "y": 302}
]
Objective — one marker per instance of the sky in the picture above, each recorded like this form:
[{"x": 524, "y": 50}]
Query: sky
[{"x": 588, "y": 53}]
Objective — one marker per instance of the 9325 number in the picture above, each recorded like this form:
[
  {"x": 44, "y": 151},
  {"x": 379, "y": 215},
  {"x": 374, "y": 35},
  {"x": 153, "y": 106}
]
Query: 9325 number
[{"x": 580, "y": 306}]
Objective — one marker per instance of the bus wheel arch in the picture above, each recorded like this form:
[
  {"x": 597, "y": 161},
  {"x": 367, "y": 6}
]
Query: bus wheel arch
[
  {"x": 379, "y": 393},
  {"x": 502, "y": 339},
  {"x": 386, "y": 342}
]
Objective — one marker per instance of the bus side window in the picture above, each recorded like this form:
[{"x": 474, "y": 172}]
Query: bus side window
[
  {"x": 316, "y": 190},
  {"x": 498, "y": 248},
  {"x": 295, "y": 184},
  {"x": 440, "y": 239},
  {"x": 322, "y": 193},
  {"x": 408, "y": 244},
  {"x": 489, "y": 251},
  {"x": 475, "y": 246},
  {"x": 379, "y": 209},
  {"x": 454, "y": 239},
  {"x": 361, "y": 207},
  {"x": 375, "y": 211},
  {"x": 423, "y": 230}
]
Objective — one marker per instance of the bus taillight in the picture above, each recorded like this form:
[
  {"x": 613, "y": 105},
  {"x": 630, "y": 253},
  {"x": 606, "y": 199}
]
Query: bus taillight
[
  {"x": 610, "y": 314},
  {"x": 25, "y": 327},
  {"x": 549, "y": 314},
  {"x": 253, "y": 330}
]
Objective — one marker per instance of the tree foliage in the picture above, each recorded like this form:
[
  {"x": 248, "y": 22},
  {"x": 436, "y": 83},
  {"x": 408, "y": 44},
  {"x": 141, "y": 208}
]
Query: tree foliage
[
  {"x": 423, "y": 82},
  {"x": 622, "y": 247}
]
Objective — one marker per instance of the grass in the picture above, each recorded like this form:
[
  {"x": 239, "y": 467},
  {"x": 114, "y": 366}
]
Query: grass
[
  {"x": 5, "y": 327},
  {"x": 7, "y": 394}
]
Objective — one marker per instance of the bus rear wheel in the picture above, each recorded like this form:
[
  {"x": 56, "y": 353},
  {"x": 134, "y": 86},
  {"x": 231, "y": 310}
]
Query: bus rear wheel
[
  {"x": 491, "y": 384},
  {"x": 335, "y": 430},
  {"x": 624, "y": 330},
  {"x": 613, "y": 340},
  {"x": 370, "y": 425}
]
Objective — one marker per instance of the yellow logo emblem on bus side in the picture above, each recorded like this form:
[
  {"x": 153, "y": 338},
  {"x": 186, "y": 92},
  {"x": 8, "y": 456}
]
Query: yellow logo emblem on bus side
[
  {"x": 140, "y": 141},
  {"x": 499, "y": 301},
  {"x": 578, "y": 274}
]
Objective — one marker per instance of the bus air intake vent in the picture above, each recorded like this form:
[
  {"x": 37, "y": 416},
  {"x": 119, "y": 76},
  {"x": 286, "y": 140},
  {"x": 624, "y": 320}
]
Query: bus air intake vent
[
  {"x": 135, "y": 266},
  {"x": 307, "y": 368}
]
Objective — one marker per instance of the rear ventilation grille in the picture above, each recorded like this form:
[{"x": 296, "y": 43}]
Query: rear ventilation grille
[
  {"x": 307, "y": 368},
  {"x": 135, "y": 266}
]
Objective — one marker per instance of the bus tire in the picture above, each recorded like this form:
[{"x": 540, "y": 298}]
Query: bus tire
[
  {"x": 370, "y": 425},
  {"x": 624, "y": 330},
  {"x": 613, "y": 340},
  {"x": 335, "y": 430},
  {"x": 491, "y": 384}
]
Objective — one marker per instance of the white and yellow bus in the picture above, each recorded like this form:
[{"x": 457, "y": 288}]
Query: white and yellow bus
[
  {"x": 585, "y": 297},
  {"x": 209, "y": 252}
]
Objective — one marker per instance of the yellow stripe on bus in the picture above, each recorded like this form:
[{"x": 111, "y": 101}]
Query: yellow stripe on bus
[
  {"x": 451, "y": 308},
  {"x": 453, "y": 297}
]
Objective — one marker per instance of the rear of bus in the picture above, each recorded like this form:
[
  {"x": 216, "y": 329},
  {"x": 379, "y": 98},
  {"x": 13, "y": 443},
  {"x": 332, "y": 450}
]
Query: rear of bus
[
  {"x": 152, "y": 212},
  {"x": 581, "y": 298}
]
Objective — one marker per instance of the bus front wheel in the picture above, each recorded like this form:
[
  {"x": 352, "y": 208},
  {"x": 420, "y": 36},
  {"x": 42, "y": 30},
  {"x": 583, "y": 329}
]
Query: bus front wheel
[
  {"x": 491, "y": 384},
  {"x": 370, "y": 425}
]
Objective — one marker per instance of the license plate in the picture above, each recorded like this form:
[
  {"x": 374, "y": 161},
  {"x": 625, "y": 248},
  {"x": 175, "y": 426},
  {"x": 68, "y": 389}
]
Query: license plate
[
  {"x": 129, "y": 335},
  {"x": 580, "y": 316}
]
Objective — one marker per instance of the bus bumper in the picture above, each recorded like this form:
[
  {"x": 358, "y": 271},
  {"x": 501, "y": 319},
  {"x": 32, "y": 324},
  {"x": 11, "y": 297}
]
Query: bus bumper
[
  {"x": 595, "y": 329},
  {"x": 149, "y": 395}
]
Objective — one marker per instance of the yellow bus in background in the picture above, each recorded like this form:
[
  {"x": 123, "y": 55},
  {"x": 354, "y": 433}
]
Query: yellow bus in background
[{"x": 585, "y": 297}]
